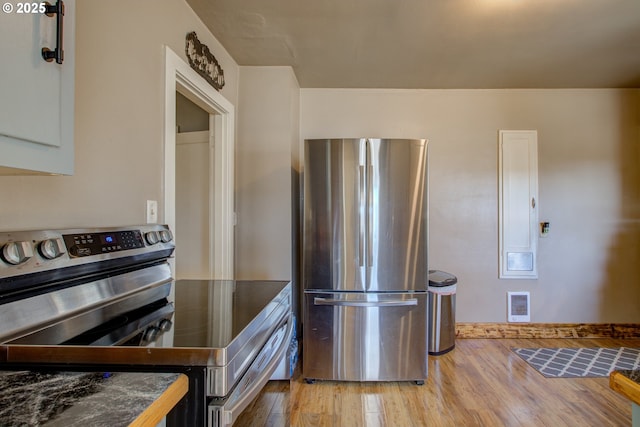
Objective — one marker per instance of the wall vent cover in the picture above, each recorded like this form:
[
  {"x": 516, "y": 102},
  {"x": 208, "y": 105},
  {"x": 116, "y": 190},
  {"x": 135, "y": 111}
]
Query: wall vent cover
[{"x": 518, "y": 307}]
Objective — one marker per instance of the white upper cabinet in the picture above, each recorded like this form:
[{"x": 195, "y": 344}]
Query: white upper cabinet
[{"x": 36, "y": 96}]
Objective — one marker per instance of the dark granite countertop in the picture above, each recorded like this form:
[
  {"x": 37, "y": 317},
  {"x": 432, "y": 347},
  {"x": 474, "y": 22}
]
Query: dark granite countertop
[
  {"x": 86, "y": 399},
  {"x": 627, "y": 383}
]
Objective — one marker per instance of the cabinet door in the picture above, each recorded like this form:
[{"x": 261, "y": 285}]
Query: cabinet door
[{"x": 36, "y": 97}]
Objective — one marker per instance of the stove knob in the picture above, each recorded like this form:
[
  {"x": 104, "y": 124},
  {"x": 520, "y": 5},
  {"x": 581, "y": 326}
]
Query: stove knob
[
  {"x": 150, "y": 334},
  {"x": 17, "y": 252},
  {"x": 166, "y": 236},
  {"x": 51, "y": 248},
  {"x": 165, "y": 325},
  {"x": 151, "y": 237}
]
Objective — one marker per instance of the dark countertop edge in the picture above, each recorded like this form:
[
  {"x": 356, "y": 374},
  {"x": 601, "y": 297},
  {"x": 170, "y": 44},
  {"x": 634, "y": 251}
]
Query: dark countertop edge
[{"x": 622, "y": 382}]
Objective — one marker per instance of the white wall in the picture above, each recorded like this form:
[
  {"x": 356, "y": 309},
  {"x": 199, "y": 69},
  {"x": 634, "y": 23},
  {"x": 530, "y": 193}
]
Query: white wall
[
  {"x": 268, "y": 133},
  {"x": 119, "y": 118},
  {"x": 589, "y": 189}
]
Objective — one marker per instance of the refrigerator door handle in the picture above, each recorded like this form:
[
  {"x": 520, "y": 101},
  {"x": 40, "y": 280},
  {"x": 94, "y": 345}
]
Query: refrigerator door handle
[
  {"x": 370, "y": 210},
  {"x": 343, "y": 303},
  {"x": 363, "y": 217}
]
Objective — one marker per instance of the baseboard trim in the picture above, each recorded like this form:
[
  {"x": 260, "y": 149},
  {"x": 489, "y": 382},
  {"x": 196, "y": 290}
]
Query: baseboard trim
[{"x": 548, "y": 330}]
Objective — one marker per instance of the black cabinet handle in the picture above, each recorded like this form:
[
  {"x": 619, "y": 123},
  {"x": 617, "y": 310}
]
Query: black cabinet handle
[{"x": 57, "y": 54}]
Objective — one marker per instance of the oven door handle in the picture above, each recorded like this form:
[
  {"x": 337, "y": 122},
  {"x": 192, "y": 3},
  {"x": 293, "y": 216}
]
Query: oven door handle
[{"x": 249, "y": 386}]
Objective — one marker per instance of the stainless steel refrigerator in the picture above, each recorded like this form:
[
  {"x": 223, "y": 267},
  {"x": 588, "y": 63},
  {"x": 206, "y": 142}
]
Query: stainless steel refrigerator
[{"x": 365, "y": 272}]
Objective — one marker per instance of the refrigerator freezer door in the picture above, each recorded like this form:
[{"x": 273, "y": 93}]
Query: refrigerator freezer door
[
  {"x": 396, "y": 225},
  {"x": 334, "y": 212},
  {"x": 365, "y": 337}
]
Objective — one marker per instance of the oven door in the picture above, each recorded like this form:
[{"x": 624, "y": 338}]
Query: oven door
[{"x": 225, "y": 411}]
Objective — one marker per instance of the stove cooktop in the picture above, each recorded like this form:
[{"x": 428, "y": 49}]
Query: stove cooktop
[
  {"x": 214, "y": 313},
  {"x": 216, "y": 322}
]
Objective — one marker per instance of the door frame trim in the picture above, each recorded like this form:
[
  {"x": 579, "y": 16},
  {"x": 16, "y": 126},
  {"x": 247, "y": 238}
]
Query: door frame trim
[{"x": 181, "y": 78}]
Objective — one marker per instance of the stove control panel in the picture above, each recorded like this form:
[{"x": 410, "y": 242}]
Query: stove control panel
[
  {"x": 23, "y": 253},
  {"x": 87, "y": 244}
]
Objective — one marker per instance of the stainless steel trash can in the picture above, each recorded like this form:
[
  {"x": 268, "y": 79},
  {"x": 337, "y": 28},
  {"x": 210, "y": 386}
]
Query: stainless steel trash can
[{"x": 442, "y": 312}]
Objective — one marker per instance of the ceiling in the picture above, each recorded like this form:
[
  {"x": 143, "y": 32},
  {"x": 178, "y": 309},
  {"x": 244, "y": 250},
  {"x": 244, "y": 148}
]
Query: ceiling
[{"x": 433, "y": 44}]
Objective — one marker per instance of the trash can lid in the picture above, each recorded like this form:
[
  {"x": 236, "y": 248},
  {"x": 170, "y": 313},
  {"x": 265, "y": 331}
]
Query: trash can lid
[{"x": 439, "y": 278}]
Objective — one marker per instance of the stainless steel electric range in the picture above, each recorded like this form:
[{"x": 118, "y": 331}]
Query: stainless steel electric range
[{"x": 101, "y": 298}]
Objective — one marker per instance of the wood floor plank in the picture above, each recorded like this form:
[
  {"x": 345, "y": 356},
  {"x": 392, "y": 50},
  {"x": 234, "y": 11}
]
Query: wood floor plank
[
  {"x": 271, "y": 408},
  {"x": 349, "y": 403},
  {"x": 482, "y": 382}
]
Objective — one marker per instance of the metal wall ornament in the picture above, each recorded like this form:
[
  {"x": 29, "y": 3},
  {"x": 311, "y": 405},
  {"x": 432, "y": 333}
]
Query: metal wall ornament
[{"x": 203, "y": 61}]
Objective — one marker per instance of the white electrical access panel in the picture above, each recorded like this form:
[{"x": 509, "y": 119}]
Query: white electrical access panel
[{"x": 518, "y": 204}]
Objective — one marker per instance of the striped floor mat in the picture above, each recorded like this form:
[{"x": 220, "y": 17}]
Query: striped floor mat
[{"x": 579, "y": 362}]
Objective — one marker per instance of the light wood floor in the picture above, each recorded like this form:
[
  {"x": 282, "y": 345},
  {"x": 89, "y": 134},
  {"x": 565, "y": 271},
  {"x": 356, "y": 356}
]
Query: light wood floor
[{"x": 480, "y": 383}]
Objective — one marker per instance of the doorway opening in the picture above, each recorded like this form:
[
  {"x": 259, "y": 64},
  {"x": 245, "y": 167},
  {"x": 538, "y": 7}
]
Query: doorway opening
[
  {"x": 194, "y": 191},
  {"x": 213, "y": 250}
]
